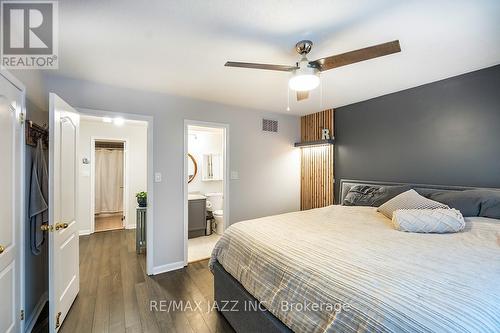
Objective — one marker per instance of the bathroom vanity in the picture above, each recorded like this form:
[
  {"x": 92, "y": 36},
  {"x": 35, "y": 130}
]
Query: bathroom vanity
[{"x": 197, "y": 215}]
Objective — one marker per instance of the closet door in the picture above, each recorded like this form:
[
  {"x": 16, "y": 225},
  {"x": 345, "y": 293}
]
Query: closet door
[
  {"x": 64, "y": 275},
  {"x": 11, "y": 106}
]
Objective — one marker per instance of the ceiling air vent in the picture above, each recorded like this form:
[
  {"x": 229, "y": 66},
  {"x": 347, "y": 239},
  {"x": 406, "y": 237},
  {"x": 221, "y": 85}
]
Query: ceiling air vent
[{"x": 269, "y": 125}]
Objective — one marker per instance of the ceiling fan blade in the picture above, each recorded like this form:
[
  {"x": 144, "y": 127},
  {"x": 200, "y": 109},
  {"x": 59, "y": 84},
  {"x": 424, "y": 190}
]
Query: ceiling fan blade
[
  {"x": 352, "y": 57},
  {"x": 282, "y": 68},
  {"x": 301, "y": 95}
]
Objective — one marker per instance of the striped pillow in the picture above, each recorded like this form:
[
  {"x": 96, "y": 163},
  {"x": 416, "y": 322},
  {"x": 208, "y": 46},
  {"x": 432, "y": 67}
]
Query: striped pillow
[{"x": 409, "y": 200}]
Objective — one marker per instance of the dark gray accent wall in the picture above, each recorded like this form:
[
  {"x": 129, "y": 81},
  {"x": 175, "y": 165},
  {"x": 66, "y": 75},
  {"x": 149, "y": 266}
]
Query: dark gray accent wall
[{"x": 445, "y": 132}]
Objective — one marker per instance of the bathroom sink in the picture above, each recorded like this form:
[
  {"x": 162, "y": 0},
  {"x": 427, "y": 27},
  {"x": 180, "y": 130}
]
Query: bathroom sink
[{"x": 196, "y": 197}]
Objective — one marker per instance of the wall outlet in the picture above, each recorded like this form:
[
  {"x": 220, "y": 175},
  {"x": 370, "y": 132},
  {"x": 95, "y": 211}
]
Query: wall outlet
[
  {"x": 235, "y": 175},
  {"x": 157, "y": 177}
]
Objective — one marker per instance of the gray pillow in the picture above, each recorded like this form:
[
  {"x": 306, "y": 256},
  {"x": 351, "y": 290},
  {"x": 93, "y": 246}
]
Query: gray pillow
[
  {"x": 408, "y": 200},
  {"x": 484, "y": 203},
  {"x": 374, "y": 196}
]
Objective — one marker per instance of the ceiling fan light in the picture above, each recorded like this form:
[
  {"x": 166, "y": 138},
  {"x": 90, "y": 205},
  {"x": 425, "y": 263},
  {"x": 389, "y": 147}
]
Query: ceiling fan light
[{"x": 303, "y": 82}]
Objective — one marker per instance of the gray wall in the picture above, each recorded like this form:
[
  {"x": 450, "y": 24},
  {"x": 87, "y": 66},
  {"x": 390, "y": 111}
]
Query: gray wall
[
  {"x": 446, "y": 132},
  {"x": 268, "y": 165}
]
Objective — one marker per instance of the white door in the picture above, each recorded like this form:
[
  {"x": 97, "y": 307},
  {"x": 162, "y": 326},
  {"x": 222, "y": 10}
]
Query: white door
[
  {"x": 11, "y": 106},
  {"x": 64, "y": 277}
]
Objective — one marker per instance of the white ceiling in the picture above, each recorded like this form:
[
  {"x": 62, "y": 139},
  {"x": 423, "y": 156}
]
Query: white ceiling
[{"x": 180, "y": 47}]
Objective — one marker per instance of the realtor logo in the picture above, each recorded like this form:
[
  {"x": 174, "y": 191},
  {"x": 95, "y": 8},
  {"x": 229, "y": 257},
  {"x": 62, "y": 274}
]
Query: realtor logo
[{"x": 29, "y": 35}]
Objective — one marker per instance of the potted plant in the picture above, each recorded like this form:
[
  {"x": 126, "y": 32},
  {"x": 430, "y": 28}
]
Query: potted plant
[{"x": 142, "y": 199}]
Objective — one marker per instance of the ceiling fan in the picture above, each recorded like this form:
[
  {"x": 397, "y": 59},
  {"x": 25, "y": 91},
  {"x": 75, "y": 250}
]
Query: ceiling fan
[{"x": 306, "y": 73}]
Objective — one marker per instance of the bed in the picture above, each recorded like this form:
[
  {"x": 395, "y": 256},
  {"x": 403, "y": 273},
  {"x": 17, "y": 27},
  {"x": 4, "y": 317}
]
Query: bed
[{"x": 345, "y": 269}]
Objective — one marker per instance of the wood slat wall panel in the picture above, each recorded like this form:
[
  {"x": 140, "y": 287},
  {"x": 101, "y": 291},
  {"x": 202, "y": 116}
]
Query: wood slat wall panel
[{"x": 317, "y": 175}]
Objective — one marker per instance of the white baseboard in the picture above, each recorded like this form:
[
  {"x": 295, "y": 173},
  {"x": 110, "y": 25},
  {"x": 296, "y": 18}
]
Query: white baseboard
[
  {"x": 132, "y": 226},
  {"x": 84, "y": 232},
  {"x": 31, "y": 321},
  {"x": 168, "y": 267}
]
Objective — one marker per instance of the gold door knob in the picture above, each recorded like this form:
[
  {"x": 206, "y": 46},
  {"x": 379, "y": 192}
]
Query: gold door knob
[
  {"x": 2, "y": 249},
  {"x": 46, "y": 227},
  {"x": 61, "y": 226}
]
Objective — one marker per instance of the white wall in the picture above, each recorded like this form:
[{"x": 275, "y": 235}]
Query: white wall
[
  {"x": 268, "y": 165},
  {"x": 136, "y": 156},
  {"x": 201, "y": 143}
]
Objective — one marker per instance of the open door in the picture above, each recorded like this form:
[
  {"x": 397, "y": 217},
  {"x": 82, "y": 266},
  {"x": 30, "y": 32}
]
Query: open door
[
  {"x": 64, "y": 280},
  {"x": 11, "y": 131}
]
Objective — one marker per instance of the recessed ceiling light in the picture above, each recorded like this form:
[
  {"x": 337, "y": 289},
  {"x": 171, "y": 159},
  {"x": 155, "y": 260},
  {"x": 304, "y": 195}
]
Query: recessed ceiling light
[
  {"x": 118, "y": 121},
  {"x": 107, "y": 120}
]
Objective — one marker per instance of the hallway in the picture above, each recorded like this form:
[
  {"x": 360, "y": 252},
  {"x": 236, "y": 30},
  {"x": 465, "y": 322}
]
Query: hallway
[{"x": 115, "y": 292}]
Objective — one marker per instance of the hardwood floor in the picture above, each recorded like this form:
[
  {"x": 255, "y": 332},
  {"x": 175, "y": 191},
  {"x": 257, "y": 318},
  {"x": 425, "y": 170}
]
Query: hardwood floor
[
  {"x": 108, "y": 222},
  {"x": 115, "y": 293}
]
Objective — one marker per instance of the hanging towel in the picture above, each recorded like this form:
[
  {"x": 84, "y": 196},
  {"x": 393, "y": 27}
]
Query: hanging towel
[{"x": 38, "y": 200}]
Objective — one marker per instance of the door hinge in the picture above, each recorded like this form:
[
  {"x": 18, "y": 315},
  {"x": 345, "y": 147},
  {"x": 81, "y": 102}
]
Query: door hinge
[
  {"x": 22, "y": 315},
  {"x": 21, "y": 118},
  {"x": 58, "y": 317}
]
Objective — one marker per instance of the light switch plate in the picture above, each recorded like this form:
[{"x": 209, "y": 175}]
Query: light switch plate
[
  {"x": 157, "y": 177},
  {"x": 235, "y": 175}
]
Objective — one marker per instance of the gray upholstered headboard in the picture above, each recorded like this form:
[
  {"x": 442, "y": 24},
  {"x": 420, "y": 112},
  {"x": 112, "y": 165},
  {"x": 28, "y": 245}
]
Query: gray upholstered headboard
[{"x": 346, "y": 184}]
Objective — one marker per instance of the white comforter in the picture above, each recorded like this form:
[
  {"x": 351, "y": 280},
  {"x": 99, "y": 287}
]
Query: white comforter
[{"x": 386, "y": 280}]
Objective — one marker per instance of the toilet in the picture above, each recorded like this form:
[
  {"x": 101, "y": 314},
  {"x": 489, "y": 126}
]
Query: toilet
[
  {"x": 215, "y": 204},
  {"x": 219, "y": 222}
]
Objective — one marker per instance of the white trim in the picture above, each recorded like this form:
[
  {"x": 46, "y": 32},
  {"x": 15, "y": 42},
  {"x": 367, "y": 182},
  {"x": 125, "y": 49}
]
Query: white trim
[
  {"x": 84, "y": 232},
  {"x": 125, "y": 193},
  {"x": 150, "y": 176},
  {"x": 14, "y": 80},
  {"x": 22, "y": 240},
  {"x": 227, "y": 173},
  {"x": 168, "y": 267},
  {"x": 30, "y": 322},
  {"x": 131, "y": 226},
  {"x": 52, "y": 129}
]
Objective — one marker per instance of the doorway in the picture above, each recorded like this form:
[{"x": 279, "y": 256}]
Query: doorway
[
  {"x": 118, "y": 148},
  {"x": 71, "y": 198},
  {"x": 109, "y": 184},
  {"x": 206, "y": 187}
]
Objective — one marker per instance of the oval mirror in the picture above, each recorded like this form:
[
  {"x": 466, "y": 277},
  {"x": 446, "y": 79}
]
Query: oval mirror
[{"x": 192, "y": 168}]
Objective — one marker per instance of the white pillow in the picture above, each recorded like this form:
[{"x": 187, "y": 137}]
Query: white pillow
[
  {"x": 408, "y": 200},
  {"x": 428, "y": 220}
]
